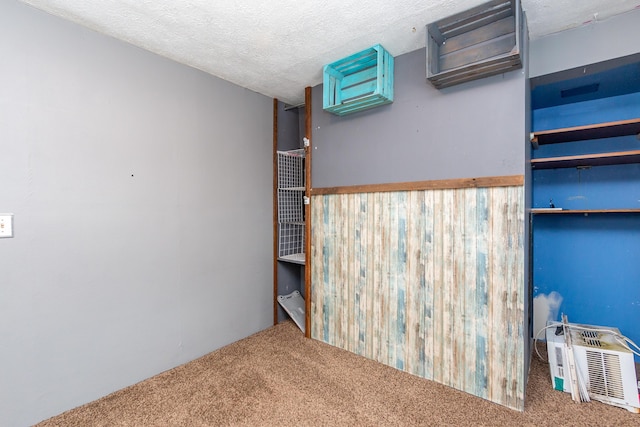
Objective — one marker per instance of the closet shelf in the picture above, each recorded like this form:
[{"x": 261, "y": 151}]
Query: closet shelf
[
  {"x": 600, "y": 159},
  {"x": 294, "y": 258},
  {"x": 581, "y": 133}
]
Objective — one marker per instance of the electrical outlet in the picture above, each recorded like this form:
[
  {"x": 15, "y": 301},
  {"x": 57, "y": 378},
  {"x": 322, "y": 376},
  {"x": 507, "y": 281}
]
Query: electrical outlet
[{"x": 6, "y": 225}]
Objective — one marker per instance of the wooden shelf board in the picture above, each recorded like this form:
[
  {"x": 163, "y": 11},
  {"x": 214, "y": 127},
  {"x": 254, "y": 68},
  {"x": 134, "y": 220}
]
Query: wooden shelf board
[
  {"x": 543, "y": 211},
  {"x": 293, "y": 258},
  {"x": 291, "y": 188},
  {"x": 581, "y": 133},
  {"x": 601, "y": 159}
]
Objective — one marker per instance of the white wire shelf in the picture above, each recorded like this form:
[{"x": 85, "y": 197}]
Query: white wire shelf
[
  {"x": 294, "y": 258},
  {"x": 291, "y": 190},
  {"x": 290, "y": 206},
  {"x": 291, "y": 169},
  {"x": 291, "y": 241}
]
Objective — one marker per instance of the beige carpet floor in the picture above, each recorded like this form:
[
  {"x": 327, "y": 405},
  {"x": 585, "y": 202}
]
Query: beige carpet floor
[{"x": 278, "y": 378}]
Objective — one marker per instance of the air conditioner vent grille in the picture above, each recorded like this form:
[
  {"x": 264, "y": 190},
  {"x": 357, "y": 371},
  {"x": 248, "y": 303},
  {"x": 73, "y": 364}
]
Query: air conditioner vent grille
[
  {"x": 605, "y": 374},
  {"x": 591, "y": 338}
]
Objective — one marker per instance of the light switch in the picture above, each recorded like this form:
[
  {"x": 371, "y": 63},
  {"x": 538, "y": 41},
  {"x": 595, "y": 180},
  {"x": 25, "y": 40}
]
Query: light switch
[{"x": 6, "y": 225}]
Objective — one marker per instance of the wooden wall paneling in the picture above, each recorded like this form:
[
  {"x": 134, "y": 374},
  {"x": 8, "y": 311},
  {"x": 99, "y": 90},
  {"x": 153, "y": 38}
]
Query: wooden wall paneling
[
  {"x": 401, "y": 278},
  {"x": 508, "y": 293},
  {"x": 349, "y": 285},
  {"x": 371, "y": 274},
  {"x": 430, "y": 282},
  {"x": 514, "y": 293},
  {"x": 394, "y": 267},
  {"x": 330, "y": 281},
  {"x": 458, "y": 301}
]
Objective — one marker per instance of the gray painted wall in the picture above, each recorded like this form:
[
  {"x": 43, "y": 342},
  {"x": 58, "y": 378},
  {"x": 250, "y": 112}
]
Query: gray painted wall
[
  {"x": 613, "y": 38},
  {"x": 471, "y": 130},
  {"x": 142, "y": 193}
]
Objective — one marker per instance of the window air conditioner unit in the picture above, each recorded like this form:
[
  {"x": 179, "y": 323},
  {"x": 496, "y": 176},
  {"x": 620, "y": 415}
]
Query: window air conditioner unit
[{"x": 603, "y": 363}]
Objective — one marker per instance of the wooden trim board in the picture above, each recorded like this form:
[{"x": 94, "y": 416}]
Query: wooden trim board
[
  {"x": 275, "y": 211},
  {"x": 307, "y": 213},
  {"x": 482, "y": 182}
]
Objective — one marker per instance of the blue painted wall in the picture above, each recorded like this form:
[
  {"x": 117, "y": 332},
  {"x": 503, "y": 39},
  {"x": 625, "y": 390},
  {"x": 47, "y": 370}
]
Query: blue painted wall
[{"x": 590, "y": 260}]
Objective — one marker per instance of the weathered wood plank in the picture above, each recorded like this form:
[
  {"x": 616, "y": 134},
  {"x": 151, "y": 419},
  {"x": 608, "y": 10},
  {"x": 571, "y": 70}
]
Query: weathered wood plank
[
  {"x": 359, "y": 269},
  {"x": 351, "y": 342},
  {"x": 429, "y": 260},
  {"x": 482, "y": 293},
  {"x": 447, "y": 284},
  {"x": 470, "y": 272},
  {"x": 383, "y": 281},
  {"x": 414, "y": 360},
  {"x": 371, "y": 276},
  {"x": 392, "y": 254},
  {"x": 401, "y": 280},
  {"x": 498, "y": 296},
  {"x": 457, "y": 290}
]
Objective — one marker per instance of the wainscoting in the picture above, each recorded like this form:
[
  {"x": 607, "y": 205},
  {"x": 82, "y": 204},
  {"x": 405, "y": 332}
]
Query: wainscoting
[{"x": 431, "y": 282}]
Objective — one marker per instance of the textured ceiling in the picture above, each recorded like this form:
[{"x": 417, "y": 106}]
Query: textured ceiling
[{"x": 277, "y": 48}]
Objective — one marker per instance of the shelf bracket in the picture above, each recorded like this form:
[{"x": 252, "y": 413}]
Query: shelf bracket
[{"x": 534, "y": 140}]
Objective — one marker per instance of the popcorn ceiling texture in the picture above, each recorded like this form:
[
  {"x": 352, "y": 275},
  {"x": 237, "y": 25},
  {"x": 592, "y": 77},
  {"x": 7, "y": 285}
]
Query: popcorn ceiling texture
[{"x": 277, "y": 48}]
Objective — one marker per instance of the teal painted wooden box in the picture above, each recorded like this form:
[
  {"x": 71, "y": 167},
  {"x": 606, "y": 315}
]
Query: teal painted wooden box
[{"x": 358, "y": 82}]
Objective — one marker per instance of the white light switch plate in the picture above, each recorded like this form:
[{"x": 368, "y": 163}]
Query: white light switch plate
[{"x": 6, "y": 225}]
